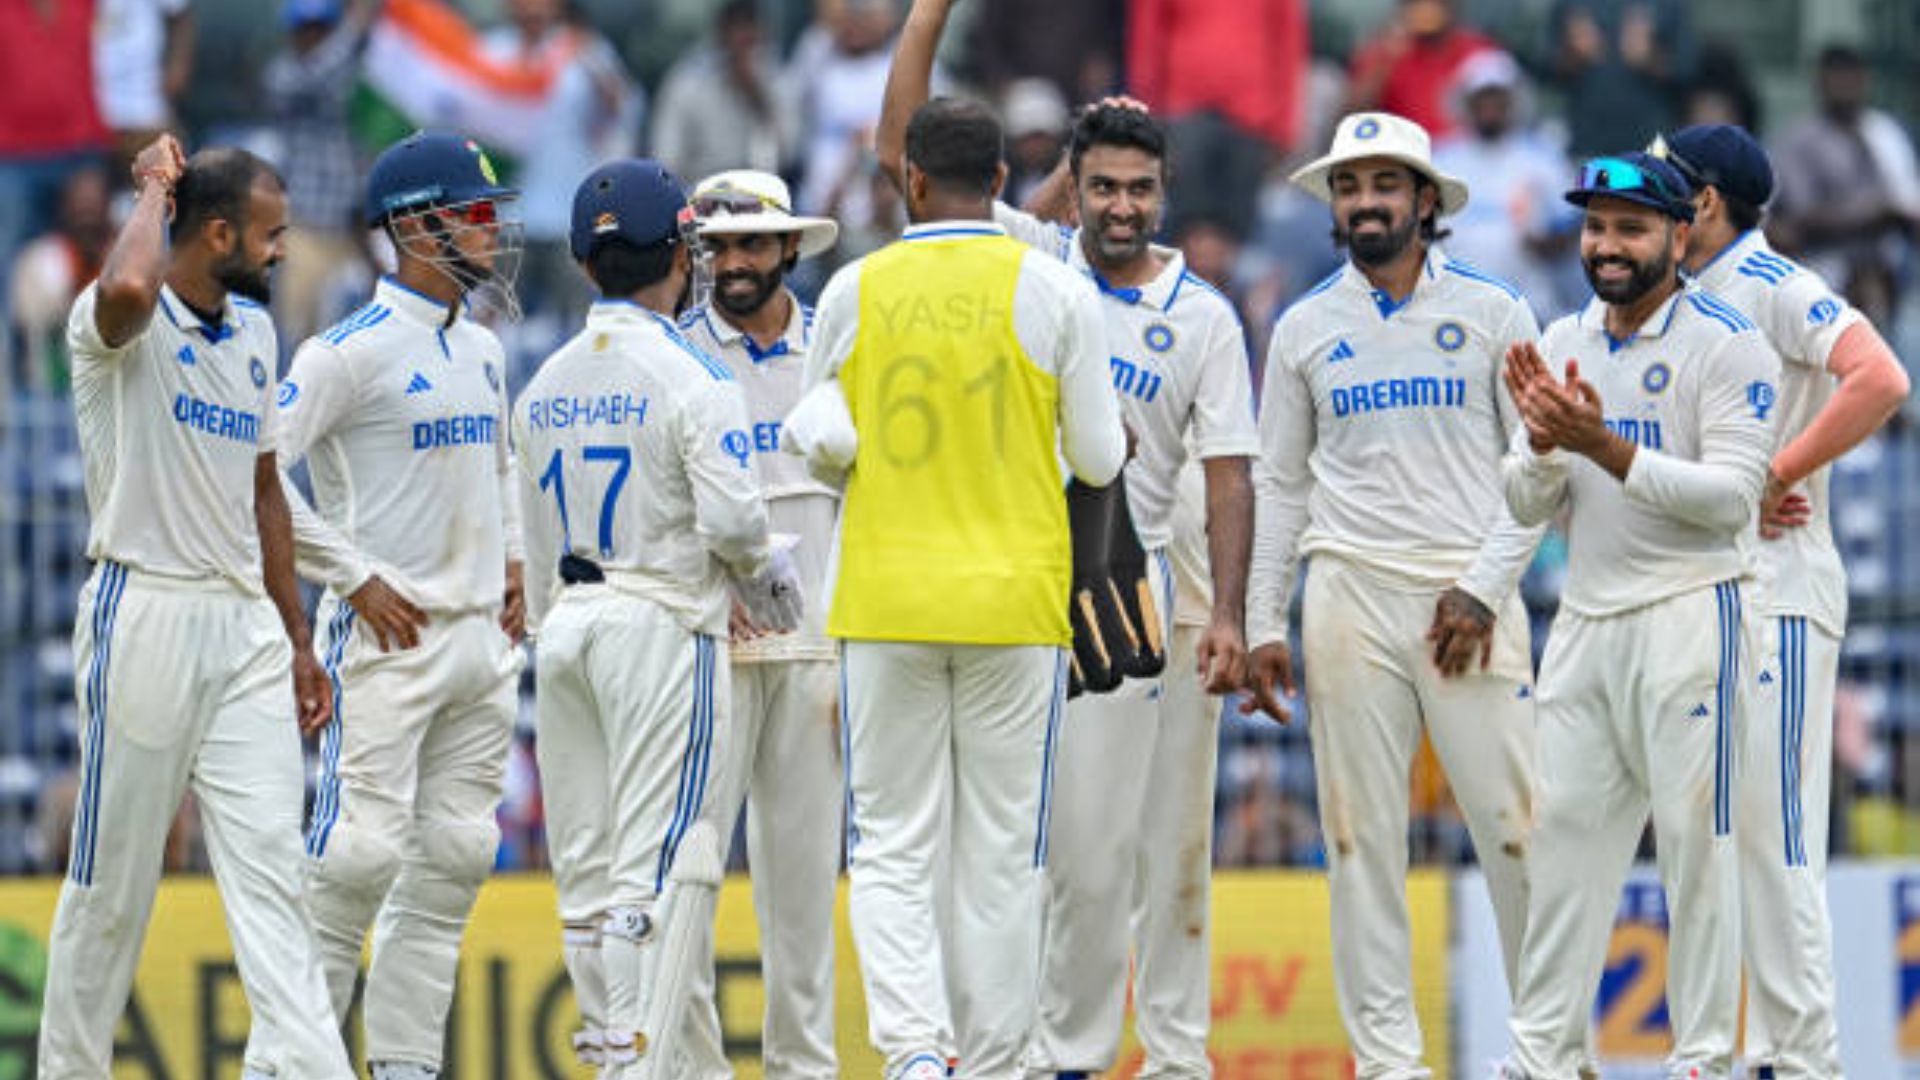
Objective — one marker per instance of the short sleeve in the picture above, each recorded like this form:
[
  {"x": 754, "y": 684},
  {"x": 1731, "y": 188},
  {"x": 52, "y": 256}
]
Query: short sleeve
[
  {"x": 1804, "y": 320},
  {"x": 83, "y": 331},
  {"x": 1223, "y": 402}
]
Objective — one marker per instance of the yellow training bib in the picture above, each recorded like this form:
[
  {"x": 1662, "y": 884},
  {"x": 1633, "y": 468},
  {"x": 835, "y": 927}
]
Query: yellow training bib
[{"x": 954, "y": 526}]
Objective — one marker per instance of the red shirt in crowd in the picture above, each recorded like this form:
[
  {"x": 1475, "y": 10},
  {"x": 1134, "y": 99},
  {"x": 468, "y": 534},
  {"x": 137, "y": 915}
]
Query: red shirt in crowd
[
  {"x": 46, "y": 79},
  {"x": 1420, "y": 79},
  {"x": 1244, "y": 59}
]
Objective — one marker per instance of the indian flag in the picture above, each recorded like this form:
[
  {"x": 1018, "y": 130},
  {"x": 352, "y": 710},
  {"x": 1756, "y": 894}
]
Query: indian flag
[{"x": 428, "y": 64}]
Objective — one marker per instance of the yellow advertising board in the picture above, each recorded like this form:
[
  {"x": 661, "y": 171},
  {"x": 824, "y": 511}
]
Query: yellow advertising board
[{"x": 1274, "y": 1016}]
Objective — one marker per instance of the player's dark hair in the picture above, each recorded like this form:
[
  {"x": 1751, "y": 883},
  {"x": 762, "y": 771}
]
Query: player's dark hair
[
  {"x": 737, "y": 13},
  {"x": 956, "y": 143},
  {"x": 217, "y": 185},
  {"x": 1741, "y": 214},
  {"x": 621, "y": 269},
  {"x": 1841, "y": 57},
  {"x": 1114, "y": 125}
]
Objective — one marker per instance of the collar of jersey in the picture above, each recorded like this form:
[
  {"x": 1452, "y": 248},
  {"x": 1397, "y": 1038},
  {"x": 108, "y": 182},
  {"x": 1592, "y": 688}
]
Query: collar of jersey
[
  {"x": 1355, "y": 279},
  {"x": 1593, "y": 319},
  {"x": 183, "y": 317},
  {"x": 951, "y": 230},
  {"x": 1725, "y": 256},
  {"x": 410, "y": 302},
  {"x": 1159, "y": 293},
  {"x": 797, "y": 335}
]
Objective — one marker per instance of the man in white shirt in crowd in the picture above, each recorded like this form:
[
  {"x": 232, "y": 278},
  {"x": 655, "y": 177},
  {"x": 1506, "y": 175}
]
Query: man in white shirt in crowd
[
  {"x": 783, "y": 756},
  {"x": 194, "y": 583},
  {"x": 400, "y": 413},
  {"x": 1651, "y": 432},
  {"x": 1382, "y": 424}
]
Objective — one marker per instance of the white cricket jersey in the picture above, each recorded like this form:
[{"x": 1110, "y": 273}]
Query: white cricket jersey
[
  {"x": 1803, "y": 318},
  {"x": 1696, "y": 389},
  {"x": 1382, "y": 427},
  {"x": 1179, "y": 361},
  {"x": 172, "y": 424},
  {"x": 401, "y": 416},
  {"x": 771, "y": 380},
  {"x": 635, "y": 453}
]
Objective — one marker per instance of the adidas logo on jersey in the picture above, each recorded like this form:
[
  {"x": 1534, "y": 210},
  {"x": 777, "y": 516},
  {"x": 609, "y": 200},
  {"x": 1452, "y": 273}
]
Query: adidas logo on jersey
[
  {"x": 1766, "y": 678},
  {"x": 1341, "y": 351},
  {"x": 1700, "y": 712},
  {"x": 419, "y": 385},
  {"x": 1523, "y": 693}
]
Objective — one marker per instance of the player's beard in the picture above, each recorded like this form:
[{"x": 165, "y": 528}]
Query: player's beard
[
  {"x": 1124, "y": 250},
  {"x": 1376, "y": 249},
  {"x": 744, "y": 302},
  {"x": 1643, "y": 279},
  {"x": 237, "y": 276}
]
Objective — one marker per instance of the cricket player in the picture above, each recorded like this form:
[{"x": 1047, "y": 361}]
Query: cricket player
[
  {"x": 641, "y": 505},
  {"x": 968, "y": 364},
  {"x": 1127, "y": 761},
  {"x": 191, "y": 621},
  {"x": 1655, "y": 442},
  {"x": 1839, "y": 381},
  {"x": 1383, "y": 421},
  {"x": 400, "y": 413},
  {"x": 783, "y": 749}
]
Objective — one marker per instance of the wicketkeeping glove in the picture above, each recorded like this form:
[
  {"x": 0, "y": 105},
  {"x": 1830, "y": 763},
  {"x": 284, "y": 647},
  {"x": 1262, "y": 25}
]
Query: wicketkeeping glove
[
  {"x": 1116, "y": 624},
  {"x": 773, "y": 596}
]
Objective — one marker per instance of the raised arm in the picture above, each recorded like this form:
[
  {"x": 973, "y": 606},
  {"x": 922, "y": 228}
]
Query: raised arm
[
  {"x": 136, "y": 265},
  {"x": 908, "y": 83}
]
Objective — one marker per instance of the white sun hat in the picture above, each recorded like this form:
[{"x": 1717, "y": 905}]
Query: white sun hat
[
  {"x": 749, "y": 201},
  {"x": 1381, "y": 135}
]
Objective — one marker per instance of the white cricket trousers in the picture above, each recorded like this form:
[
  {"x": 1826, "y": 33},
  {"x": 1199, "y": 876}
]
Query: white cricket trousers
[
  {"x": 783, "y": 758},
  {"x": 184, "y": 685},
  {"x": 949, "y": 749},
  {"x": 633, "y": 719},
  {"x": 1782, "y": 815},
  {"x": 1129, "y": 862},
  {"x": 403, "y": 831},
  {"x": 1638, "y": 711},
  {"x": 1372, "y": 688}
]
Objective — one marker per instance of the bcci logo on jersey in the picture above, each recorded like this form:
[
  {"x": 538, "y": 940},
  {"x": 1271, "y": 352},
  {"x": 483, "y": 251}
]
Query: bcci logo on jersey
[{"x": 1906, "y": 962}]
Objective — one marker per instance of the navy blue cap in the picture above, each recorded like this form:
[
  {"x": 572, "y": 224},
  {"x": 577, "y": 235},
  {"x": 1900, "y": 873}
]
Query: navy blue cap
[
  {"x": 635, "y": 199},
  {"x": 430, "y": 168},
  {"x": 1636, "y": 178},
  {"x": 1722, "y": 156},
  {"x": 304, "y": 12}
]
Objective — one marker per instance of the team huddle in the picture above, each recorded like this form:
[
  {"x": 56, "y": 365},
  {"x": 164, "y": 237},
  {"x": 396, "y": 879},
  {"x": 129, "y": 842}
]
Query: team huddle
[{"x": 815, "y": 564}]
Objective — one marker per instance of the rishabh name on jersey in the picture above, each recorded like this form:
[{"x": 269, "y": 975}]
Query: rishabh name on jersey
[
  {"x": 1696, "y": 365},
  {"x": 1406, "y": 400},
  {"x": 171, "y": 426},
  {"x": 400, "y": 415},
  {"x": 612, "y": 484},
  {"x": 772, "y": 381},
  {"x": 1803, "y": 318},
  {"x": 1179, "y": 361}
]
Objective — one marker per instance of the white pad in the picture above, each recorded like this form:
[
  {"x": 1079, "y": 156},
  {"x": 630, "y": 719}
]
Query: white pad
[{"x": 686, "y": 907}]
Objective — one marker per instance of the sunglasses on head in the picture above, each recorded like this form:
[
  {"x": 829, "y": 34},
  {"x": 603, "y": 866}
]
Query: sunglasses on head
[
  {"x": 1614, "y": 174},
  {"x": 733, "y": 201}
]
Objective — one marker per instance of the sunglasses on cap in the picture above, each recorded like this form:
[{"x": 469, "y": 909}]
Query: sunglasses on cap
[
  {"x": 732, "y": 200},
  {"x": 1613, "y": 174},
  {"x": 1692, "y": 173}
]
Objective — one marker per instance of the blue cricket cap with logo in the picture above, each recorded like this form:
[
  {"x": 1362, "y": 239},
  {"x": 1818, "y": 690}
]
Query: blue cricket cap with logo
[
  {"x": 1636, "y": 178},
  {"x": 1720, "y": 156},
  {"x": 428, "y": 169},
  {"x": 295, "y": 13},
  {"x": 636, "y": 200}
]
